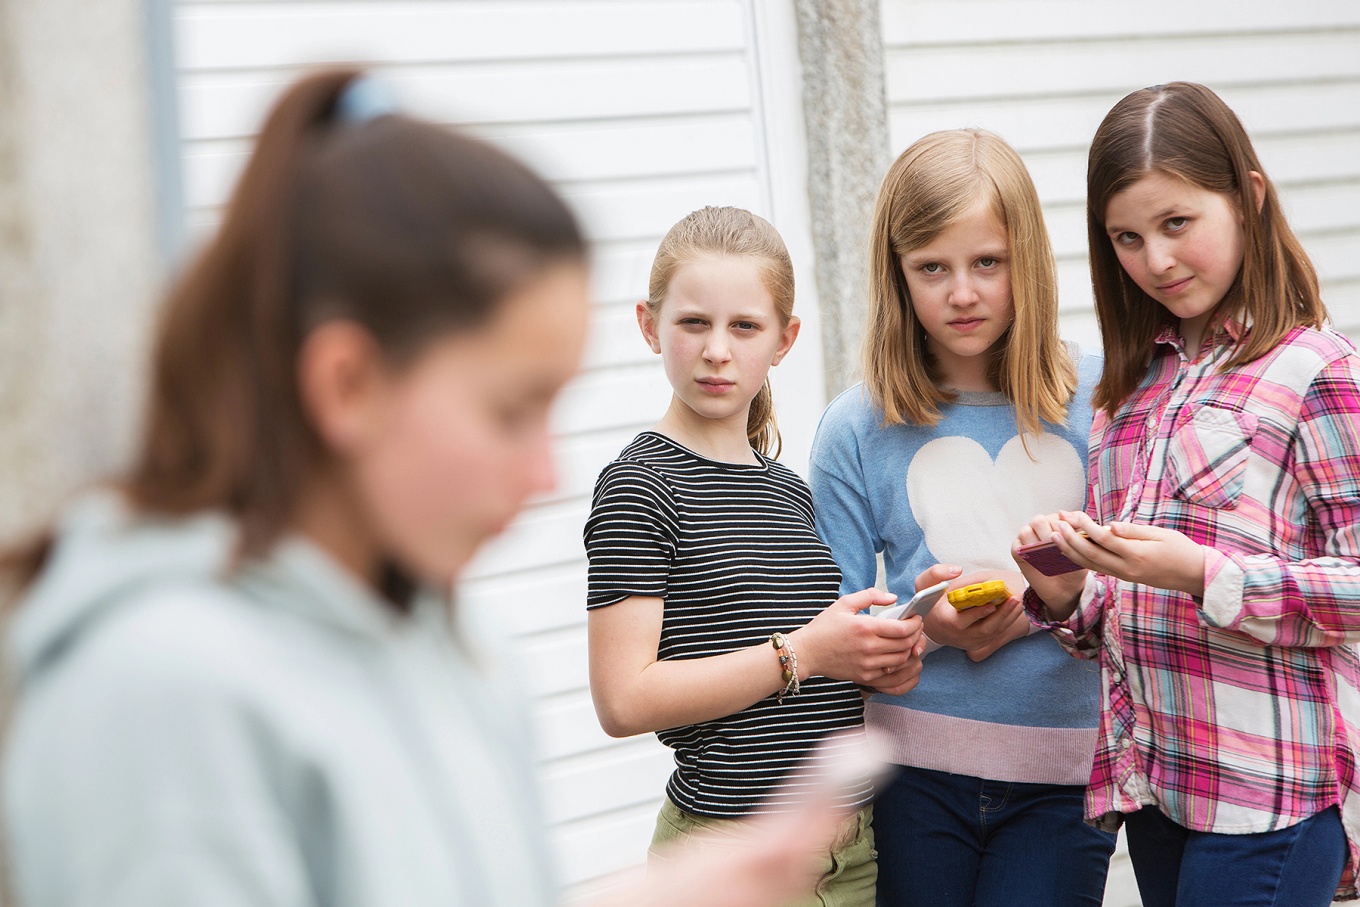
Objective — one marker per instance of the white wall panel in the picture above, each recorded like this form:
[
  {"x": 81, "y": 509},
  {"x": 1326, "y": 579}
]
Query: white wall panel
[{"x": 639, "y": 112}]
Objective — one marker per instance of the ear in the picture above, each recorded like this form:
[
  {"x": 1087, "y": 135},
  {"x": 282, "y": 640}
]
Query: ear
[
  {"x": 342, "y": 381},
  {"x": 786, "y": 338},
  {"x": 1258, "y": 188},
  {"x": 648, "y": 326}
]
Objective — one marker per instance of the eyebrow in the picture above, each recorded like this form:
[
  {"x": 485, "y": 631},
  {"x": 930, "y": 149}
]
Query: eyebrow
[
  {"x": 997, "y": 252},
  {"x": 682, "y": 312}
]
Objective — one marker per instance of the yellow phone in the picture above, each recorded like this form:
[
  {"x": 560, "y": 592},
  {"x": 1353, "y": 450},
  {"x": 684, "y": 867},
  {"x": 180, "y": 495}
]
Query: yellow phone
[{"x": 991, "y": 592}]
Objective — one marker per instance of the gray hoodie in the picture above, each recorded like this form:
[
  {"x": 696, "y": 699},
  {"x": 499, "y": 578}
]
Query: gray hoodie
[{"x": 185, "y": 735}]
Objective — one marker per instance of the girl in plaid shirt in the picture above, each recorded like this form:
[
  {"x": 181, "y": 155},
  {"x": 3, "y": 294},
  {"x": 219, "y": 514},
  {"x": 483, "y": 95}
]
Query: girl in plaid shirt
[{"x": 1221, "y": 589}]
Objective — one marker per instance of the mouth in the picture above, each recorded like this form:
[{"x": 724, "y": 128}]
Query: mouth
[
  {"x": 1174, "y": 287},
  {"x": 966, "y": 324},
  {"x": 716, "y": 385}
]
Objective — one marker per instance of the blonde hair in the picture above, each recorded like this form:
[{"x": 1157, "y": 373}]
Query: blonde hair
[
  {"x": 736, "y": 233},
  {"x": 929, "y": 187}
]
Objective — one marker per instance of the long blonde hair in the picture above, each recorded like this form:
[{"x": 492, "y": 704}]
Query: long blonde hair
[
  {"x": 734, "y": 233},
  {"x": 929, "y": 187}
]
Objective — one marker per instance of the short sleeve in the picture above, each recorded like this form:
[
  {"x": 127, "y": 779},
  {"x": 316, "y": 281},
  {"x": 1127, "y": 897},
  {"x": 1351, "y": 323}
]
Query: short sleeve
[{"x": 631, "y": 535}]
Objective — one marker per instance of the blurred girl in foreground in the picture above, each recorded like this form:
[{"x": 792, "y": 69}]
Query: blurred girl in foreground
[{"x": 239, "y": 680}]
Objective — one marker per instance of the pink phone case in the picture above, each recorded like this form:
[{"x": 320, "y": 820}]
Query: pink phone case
[{"x": 1046, "y": 558}]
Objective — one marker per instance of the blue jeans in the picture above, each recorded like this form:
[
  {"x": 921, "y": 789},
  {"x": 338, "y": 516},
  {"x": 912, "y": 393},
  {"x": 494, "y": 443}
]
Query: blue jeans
[
  {"x": 949, "y": 840},
  {"x": 1297, "y": 866}
]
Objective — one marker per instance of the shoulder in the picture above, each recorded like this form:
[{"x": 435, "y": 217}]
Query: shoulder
[
  {"x": 784, "y": 476},
  {"x": 184, "y": 673},
  {"x": 631, "y": 478},
  {"x": 1089, "y": 367},
  {"x": 1325, "y": 344},
  {"x": 848, "y": 420},
  {"x": 1306, "y": 353},
  {"x": 852, "y": 410},
  {"x": 193, "y": 638}
]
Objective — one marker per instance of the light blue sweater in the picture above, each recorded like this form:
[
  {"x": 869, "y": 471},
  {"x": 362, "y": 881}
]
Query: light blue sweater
[
  {"x": 269, "y": 737},
  {"x": 958, "y": 492}
]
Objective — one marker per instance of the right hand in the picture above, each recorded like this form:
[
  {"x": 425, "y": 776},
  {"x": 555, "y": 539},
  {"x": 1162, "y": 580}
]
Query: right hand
[
  {"x": 843, "y": 644},
  {"x": 1060, "y": 594}
]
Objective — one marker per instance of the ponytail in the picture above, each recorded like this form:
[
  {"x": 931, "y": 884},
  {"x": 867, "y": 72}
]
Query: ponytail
[
  {"x": 762, "y": 429},
  {"x": 344, "y": 211}
]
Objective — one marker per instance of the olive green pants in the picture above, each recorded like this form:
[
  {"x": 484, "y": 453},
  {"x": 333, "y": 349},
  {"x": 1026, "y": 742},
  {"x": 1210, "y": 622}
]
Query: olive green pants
[{"x": 850, "y": 869}]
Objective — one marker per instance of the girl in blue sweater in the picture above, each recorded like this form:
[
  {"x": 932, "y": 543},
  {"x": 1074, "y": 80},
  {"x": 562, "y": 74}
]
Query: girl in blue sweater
[{"x": 972, "y": 417}]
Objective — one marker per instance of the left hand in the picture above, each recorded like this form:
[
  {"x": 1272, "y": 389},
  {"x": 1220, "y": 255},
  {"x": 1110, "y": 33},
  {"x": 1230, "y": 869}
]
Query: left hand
[
  {"x": 982, "y": 630},
  {"x": 1017, "y": 626},
  {"x": 1148, "y": 555},
  {"x": 904, "y": 679}
]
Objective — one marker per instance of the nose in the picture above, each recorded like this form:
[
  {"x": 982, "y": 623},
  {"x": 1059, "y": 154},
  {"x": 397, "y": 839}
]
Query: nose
[
  {"x": 1160, "y": 257},
  {"x": 963, "y": 292},
  {"x": 717, "y": 348}
]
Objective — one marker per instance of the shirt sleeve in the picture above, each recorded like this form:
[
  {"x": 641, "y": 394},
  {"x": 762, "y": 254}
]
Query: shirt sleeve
[
  {"x": 1312, "y": 602},
  {"x": 631, "y": 535},
  {"x": 844, "y": 519},
  {"x": 1079, "y": 635}
]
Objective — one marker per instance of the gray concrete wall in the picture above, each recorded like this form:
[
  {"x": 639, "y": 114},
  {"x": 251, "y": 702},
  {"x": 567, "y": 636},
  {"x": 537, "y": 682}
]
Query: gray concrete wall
[
  {"x": 840, "y": 46},
  {"x": 79, "y": 263}
]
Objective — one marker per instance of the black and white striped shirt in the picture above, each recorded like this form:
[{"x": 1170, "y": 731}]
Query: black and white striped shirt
[{"x": 732, "y": 550}]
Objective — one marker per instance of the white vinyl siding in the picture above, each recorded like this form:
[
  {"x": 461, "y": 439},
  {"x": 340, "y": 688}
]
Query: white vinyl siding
[
  {"x": 639, "y": 112},
  {"x": 1043, "y": 75}
]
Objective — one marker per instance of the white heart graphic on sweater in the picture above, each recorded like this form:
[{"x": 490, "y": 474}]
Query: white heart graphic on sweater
[{"x": 971, "y": 507}]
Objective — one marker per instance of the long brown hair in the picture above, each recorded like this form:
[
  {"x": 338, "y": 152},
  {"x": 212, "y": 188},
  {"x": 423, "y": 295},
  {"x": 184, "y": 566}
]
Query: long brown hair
[
  {"x": 929, "y": 187},
  {"x": 1184, "y": 130},
  {"x": 735, "y": 233},
  {"x": 404, "y": 227}
]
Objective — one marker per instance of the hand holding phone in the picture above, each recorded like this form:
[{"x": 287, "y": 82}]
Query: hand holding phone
[
  {"x": 1047, "y": 557},
  {"x": 919, "y": 606}
]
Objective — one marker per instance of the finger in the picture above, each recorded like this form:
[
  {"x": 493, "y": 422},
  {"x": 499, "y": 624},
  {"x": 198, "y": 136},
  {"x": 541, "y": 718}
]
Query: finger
[
  {"x": 899, "y": 683},
  {"x": 1041, "y": 526},
  {"x": 865, "y": 598},
  {"x": 1081, "y": 521},
  {"x": 1134, "y": 531},
  {"x": 970, "y": 618},
  {"x": 936, "y": 574},
  {"x": 895, "y": 629}
]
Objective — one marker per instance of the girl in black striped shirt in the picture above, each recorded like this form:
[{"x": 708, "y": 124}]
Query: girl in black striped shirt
[{"x": 714, "y": 618}]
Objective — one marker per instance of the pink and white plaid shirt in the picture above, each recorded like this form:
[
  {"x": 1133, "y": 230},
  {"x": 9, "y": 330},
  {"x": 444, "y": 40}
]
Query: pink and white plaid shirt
[{"x": 1238, "y": 712}]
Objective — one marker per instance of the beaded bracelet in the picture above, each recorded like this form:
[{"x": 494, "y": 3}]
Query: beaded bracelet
[{"x": 788, "y": 663}]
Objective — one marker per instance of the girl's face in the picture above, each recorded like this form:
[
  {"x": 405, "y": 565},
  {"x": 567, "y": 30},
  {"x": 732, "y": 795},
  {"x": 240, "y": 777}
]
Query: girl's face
[
  {"x": 1180, "y": 243},
  {"x": 718, "y": 332},
  {"x": 960, "y": 285},
  {"x": 439, "y": 455}
]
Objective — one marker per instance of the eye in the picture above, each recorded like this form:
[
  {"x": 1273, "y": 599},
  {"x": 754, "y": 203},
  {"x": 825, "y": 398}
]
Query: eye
[
  {"x": 1125, "y": 239},
  {"x": 1176, "y": 224},
  {"x": 932, "y": 267},
  {"x": 746, "y": 325},
  {"x": 692, "y": 322},
  {"x": 988, "y": 262}
]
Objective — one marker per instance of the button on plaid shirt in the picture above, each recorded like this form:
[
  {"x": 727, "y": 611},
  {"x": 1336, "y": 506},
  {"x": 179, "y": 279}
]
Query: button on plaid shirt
[{"x": 1239, "y": 712}]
